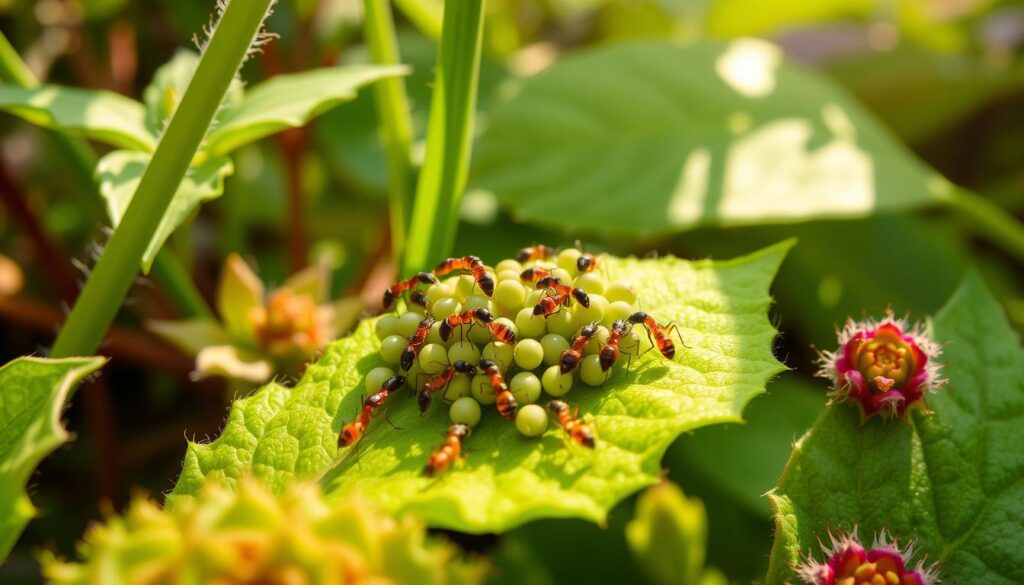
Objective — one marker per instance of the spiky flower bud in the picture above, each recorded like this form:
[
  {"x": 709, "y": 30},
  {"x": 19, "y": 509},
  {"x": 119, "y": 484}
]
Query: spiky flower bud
[
  {"x": 885, "y": 367},
  {"x": 848, "y": 562},
  {"x": 251, "y": 536}
]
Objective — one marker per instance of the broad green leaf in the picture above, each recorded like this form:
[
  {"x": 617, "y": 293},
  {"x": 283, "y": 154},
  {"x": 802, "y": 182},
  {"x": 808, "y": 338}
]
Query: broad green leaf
[
  {"x": 32, "y": 396},
  {"x": 120, "y": 171},
  {"x": 100, "y": 115},
  {"x": 289, "y": 101},
  {"x": 279, "y": 434},
  {"x": 953, "y": 481},
  {"x": 168, "y": 85},
  {"x": 714, "y": 134}
]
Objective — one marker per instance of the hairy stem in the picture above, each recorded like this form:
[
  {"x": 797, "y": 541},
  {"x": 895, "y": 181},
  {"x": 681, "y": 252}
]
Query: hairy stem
[
  {"x": 396, "y": 123},
  {"x": 449, "y": 134},
  {"x": 117, "y": 266}
]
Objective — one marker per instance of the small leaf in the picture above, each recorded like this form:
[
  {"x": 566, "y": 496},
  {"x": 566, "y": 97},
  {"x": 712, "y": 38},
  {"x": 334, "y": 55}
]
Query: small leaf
[
  {"x": 290, "y": 101},
  {"x": 953, "y": 481},
  {"x": 33, "y": 396},
  {"x": 168, "y": 85},
  {"x": 716, "y": 134},
  {"x": 238, "y": 293},
  {"x": 280, "y": 435},
  {"x": 100, "y": 115},
  {"x": 667, "y": 535},
  {"x": 229, "y": 361},
  {"x": 190, "y": 335},
  {"x": 120, "y": 171}
]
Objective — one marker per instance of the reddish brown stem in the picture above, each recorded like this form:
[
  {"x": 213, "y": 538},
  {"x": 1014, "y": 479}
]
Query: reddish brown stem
[{"x": 292, "y": 144}]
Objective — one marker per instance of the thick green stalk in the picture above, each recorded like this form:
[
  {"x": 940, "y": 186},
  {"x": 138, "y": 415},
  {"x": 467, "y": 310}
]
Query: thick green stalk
[
  {"x": 393, "y": 112},
  {"x": 990, "y": 220},
  {"x": 424, "y": 14},
  {"x": 117, "y": 266},
  {"x": 449, "y": 137},
  {"x": 173, "y": 278}
]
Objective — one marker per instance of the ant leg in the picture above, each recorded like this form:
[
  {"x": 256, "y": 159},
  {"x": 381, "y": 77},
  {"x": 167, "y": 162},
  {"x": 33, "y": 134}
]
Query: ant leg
[
  {"x": 675, "y": 329},
  {"x": 389, "y": 421}
]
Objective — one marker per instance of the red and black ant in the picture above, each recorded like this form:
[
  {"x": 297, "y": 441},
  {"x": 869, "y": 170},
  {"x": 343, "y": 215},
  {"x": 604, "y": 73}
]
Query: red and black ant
[
  {"x": 553, "y": 283},
  {"x": 534, "y": 274},
  {"x": 574, "y": 353},
  {"x": 503, "y": 397},
  {"x": 402, "y": 286},
  {"x": 538, "y": 252},
  {"x": 577, "y": 429},
  {"x": 549, "y": 305},
  {"x": 660, "y": 333},
  {"x": 353, "y": 431},
  {"x": 449, "y": 323},
  {"x": 586, "y": 262},
  {"x": 449, "y": 452},
  {"x": 471, "y": 264},
  {"x": 416, "y": 342},
  {"x": 441, "y": 381},
  {"x": 610, "y": 350}
]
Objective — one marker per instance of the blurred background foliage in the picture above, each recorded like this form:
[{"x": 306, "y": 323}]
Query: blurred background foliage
[{"x": 943, "y": 77}]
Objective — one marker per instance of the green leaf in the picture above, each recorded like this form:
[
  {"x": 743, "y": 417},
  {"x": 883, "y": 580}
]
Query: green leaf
[
  {"x": 120, "y": 171},
  {"x": 280, "y": 435},
  {"x": 716, "y": 134},
  {"x": 290, "y": 101},
  {"x": 34, "y": 392},
  {"x": 169, "y": 83},
  {"x": 100, "y": 115},
  {"x": 953, "y": 481}
]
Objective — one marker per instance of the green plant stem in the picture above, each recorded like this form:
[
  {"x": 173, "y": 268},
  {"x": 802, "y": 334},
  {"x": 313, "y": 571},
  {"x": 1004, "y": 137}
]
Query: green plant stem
[
  {"x": 449, "y": 137},
  {"x": 393, "y": 112},
  {"x": 172, "y": 277},
  {"x": 117, "y": 266},
  {"x": 424, "y": 14}
]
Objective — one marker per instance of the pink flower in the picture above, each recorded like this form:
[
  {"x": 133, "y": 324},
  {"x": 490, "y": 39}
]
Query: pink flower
[
  {"x": 850, "y": 563},
  {"x": 884, "y": 366}
]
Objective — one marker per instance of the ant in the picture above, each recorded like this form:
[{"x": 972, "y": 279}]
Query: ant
[
  {"x": 471, "y": 264},
  {"x": 573, "y": 354},
  {"x": 441, "y": 381},
  {"x": 416, "y": 342},
  {"x": 577, "y": 429},
  {"x": 549, "y": 305},
  {"x": 660, "y": 333},
  {"x": 402, "y": 286},
  {"x": 506, "y": 402},
  {"x": 553, "y": 283},
  {"x": 464, "y": 318},
  {"x": 586, "y": 262},
  {"x": 538, "y": 252},
  {"x": 449, "y": 452},
  {"x": 534, "y": 274},
  {"x": 610, "y": 350},
  {"x": 353, "y": 431}
]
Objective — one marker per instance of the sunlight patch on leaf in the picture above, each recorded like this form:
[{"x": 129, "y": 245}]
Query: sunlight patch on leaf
[{"x": 507, "y": 479}]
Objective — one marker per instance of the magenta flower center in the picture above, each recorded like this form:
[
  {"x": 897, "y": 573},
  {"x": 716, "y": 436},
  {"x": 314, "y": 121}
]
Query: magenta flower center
[
  {"x": 886, "y": 360},
  {"x": 856, "y": 566}
]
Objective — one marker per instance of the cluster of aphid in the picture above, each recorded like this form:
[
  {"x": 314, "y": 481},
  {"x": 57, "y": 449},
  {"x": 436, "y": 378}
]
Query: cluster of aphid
[{"x": 468, "y": 327}]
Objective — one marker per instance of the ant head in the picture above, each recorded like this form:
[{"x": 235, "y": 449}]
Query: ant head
[
  {"x": 389, "y": 298},
  {"x": 581, "y": 297},
  {"x": 584, "y": 262},
  {"x": 486, "y": 284},
  {"x": 463, "y": 367},
  {"x": 426, "y": 278},
  {"x": 548, "y": 282},
  {"x": 487, "y": 365},
  {"x": 427, "y": 321},
  {"x": 474, "y": 260},
  {"x": 394, "y": 383},
  {"x": 557, "y": 406},
  {"x": 619, "y": 326},
  {"x": 460, "y": 430},
  {"x": 483, "y": 315},
  {"x": 589, "y": 330},
  {"x": 637, "y": 318}
]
